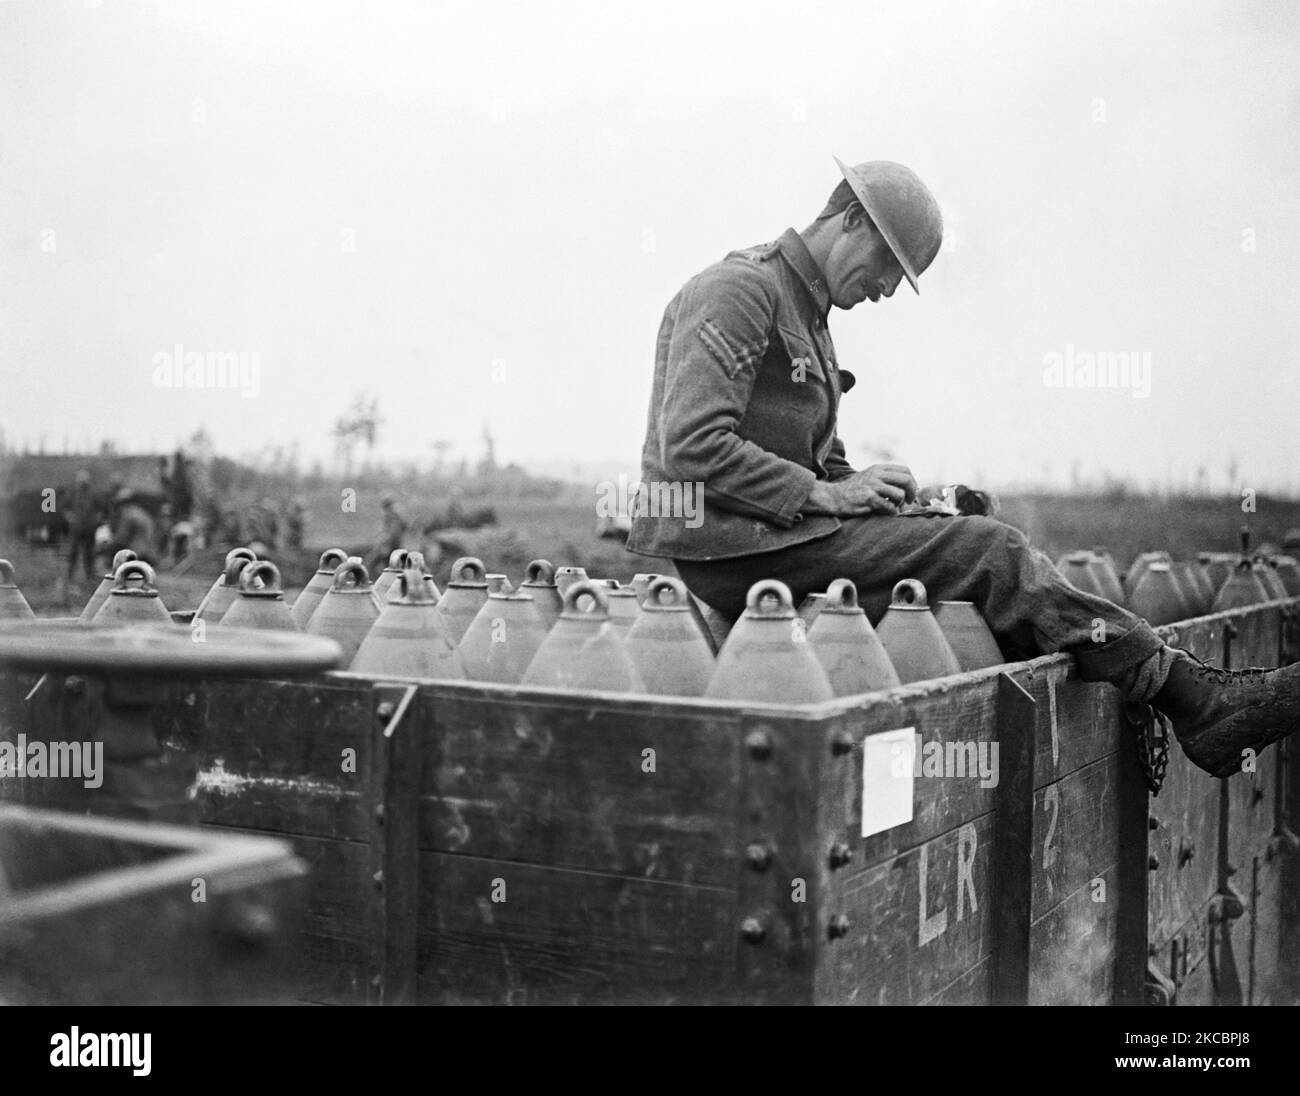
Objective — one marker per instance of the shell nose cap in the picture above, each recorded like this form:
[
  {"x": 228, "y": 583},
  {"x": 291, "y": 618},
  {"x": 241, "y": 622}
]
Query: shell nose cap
[{"x": 903, "y": 208}]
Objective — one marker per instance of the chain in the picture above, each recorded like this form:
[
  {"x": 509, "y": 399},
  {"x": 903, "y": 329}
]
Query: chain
[{"x": 1152, "y": 733}]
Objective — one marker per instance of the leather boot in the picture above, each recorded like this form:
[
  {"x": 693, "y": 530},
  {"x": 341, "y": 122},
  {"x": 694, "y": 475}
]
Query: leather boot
[{"x": 1217, "y": 713}]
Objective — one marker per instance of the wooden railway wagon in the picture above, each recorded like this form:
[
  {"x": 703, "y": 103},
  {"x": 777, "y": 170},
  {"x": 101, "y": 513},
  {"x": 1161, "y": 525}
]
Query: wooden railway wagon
[{"x": 472, "y": 843}]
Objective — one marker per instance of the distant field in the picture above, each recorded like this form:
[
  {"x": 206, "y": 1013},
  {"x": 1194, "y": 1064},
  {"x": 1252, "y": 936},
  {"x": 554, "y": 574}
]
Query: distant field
[
  {"x": 1181, "y": 526},
  {"x": 563, "y": 531}
]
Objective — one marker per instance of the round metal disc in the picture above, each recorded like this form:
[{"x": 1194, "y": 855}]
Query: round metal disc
[{"x": 153, "y": 649}]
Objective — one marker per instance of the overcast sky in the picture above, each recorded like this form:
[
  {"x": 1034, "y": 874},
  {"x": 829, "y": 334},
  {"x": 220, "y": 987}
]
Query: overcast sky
[{"x": 478, "y": 213}]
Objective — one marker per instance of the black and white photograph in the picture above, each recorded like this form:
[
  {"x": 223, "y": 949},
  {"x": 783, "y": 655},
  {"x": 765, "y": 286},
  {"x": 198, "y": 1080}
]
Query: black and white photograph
[{"x": 679, "y": 504}]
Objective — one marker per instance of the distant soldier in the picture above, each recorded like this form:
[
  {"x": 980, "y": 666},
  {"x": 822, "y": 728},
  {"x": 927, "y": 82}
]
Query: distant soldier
[
  {"x": 83, "y": 517},
  {"x": 163, "y": 530},
  {"x": 180, "y": 538},
  {"x": 295, "y": 521},
  {"x": 132, "y": 526},
  {"x": 164, "y": 480},
  {"x": 259, "y": 527},
  {"x": 271, "y": 522},
  {"x": 393, "y": 535},
  {"x": 182, "y": 493}
]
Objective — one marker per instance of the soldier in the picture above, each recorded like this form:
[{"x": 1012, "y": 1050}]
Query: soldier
[
  {"x": 83, "y": 518},
  {"x": 132, "y": 526},
  {"x": 295, "y": 521},
  {"x": 391, "y": 536},
  {"x": 744, "y": 403},
  {"x": 182, "y": 491}
]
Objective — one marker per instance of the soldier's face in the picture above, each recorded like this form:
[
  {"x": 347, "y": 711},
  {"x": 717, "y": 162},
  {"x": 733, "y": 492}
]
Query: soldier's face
[{"x": 861, "y": 266}]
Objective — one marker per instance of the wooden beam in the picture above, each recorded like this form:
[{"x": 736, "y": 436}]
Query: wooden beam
[{"x": 1012, "y": 843}]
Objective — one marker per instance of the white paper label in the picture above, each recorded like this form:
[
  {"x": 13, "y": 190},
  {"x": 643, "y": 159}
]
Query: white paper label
[{"x": 888, "y": 773}]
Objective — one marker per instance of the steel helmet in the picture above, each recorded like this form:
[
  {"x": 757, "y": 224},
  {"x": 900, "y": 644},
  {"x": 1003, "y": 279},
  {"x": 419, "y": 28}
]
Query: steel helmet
[{"x": 902, "y": 208}]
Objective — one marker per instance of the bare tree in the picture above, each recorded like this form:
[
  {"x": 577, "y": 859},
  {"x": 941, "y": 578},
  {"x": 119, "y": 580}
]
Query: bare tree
[{"x": 359, "y": 425}]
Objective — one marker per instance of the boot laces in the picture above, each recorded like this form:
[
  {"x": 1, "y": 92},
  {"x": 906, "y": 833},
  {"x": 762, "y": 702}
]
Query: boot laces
[{"x": 1221, "y": 675}]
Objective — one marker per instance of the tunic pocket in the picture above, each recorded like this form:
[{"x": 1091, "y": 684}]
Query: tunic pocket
[{"x": 805, "y": 365}]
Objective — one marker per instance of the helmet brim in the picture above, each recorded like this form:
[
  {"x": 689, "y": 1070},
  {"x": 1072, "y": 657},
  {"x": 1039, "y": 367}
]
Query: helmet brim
[{"x": 868, "y": 203}]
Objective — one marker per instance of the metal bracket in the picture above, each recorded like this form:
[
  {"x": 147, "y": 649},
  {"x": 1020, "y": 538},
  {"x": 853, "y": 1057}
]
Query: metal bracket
[
  {"x": 1159, "y": 988},
  {"x": 1227, "y": 905},
  {"x": 394, "y": 807},
  {"x": 392, "y": 710}
]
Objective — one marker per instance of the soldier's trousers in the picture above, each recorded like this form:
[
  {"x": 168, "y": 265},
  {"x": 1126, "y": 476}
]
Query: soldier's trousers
[{"x": 1029, "y": 606}]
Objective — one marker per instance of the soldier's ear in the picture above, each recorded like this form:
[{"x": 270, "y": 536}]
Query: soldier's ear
[{"x": 855, "y": 217}]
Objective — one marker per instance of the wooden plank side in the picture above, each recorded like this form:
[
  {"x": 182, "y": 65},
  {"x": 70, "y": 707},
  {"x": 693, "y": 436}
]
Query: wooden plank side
[
  {"x": 1254, "y": 812},
  {"x": 1265, "y": 984},
  {"x": 60, "y": 709},
  {"x": 1131, "y": 892},
  {"x": 286, "y": 757},
  {"x": 557, "y": 936},
  {"x": 1253, "y": 809},
  {"x": 780, "y": 881},
  {"x": 1203, "y": 636},
  {"x": 957, "y": 728},
  {"x": 1078, "y": 721},
  {"x": 1288, "y": 860},
  {"x": 394, "y": 842},
  {"x": 1076, "y": 831},
  {"x": 1256, "y": 638},
  {"x": 1183, "y": 847},
  {"x": 633, "y": 788},
  {"x": 1074, "y": 946},
  {"x": 1012, "y": 864},
  {"x": 974, "y": 987},
  {"x": 334, "y": 958},
  {"x": 101, "y": 955},
  {"x": 917, "y": 923},
  {"x": 13, "y": 722},
  {"x": 1191, "y": 959}
]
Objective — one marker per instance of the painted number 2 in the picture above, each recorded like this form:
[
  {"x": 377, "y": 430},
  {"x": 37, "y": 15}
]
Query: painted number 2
[{"x": 1051, "y": 802}]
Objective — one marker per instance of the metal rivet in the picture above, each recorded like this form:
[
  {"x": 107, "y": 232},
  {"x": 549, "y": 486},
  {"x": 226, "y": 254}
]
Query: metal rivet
[
  {"x": 379, "y": 880},
  {"x": 759, "y": 744},
  {"x": 379, "y": 813},
  {"x": 841, "y": 744},
  {"x": 838, "y": 927},
  {"x": 752, "y": 931},
  {"x": 74, "y": 685},
  {"x": 841, "y": 854},
  {"x": 385, "y": 710},
  {"x": 1153, "y": 863},
  {"x": 758, "y": 855},
  {"x": 1257, "y": 796},
  {"x": 1153, "y": 823}
]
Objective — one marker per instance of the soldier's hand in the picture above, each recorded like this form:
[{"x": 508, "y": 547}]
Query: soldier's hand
[{"x": 881, "y": 488}]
